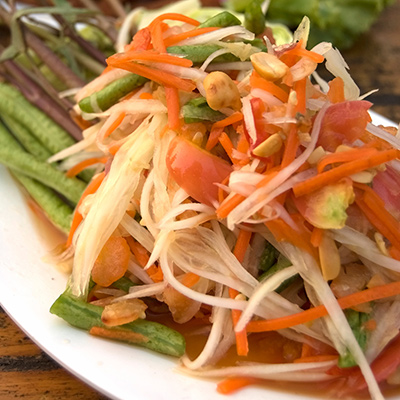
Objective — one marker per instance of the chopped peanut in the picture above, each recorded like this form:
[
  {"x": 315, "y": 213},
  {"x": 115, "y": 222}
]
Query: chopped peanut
[{"x": 269, "y": 146}]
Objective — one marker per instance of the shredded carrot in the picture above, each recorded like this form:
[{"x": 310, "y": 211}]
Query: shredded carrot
[
  {"x": 228, "y": 205},
  {"x": 237, "y": 116},
  {"x": 142, "y": 257},
  {"x": 292, "y": 144},
  {"x": 231, "y": 385},
  {"x": 173, "y": 106},
  {"x": 299, "y": 51},
  {"x": 242, "y": 244},
  {"x": 316, "y": 237},
  {"x": 156, "y": 75},
  {"x": 76, "y": 169},
  {"x": 283, "y": 232},
  {"x": 352, "y": 300},
  {"x": 336, "y": 90},
  {"x": 115, "y": 124},
  {"x": 77, "y": 219},
  {"x": 141, "y": 40},
  {"x": 173, "y": 17},
  {"x": 146, "y": 96},
  {"x": 189, "y": 279},
  {"x": 395, "y": 253},
  {"x": 300, "y": 89},
  {"x": 152, "y": 56},
  {"x": 345, "y": 156},
  {"x": 170, "y": 41},
  {"x": 257, "y": 82},
  {"x": 114, "y": 147},
  {"x": 227, "y": 145},
  {"x": 381, "y": 219},
  {"x": 289, "y": 57},
  {"x": 318, "y": 358},
  {"x": 342, "y": 171},
  {"x": 213, "y": 138},
  {"x": 157, "y": 38}
]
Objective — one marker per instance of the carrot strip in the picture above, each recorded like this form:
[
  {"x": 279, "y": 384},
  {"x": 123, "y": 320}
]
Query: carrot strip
[
  {"x": 157, "y": 38},
  {"x": 237, "y": 116},
  {"x": 283, "y": 232},
  {"x": 116, "y": 123},
  {"x": 156, "y": 75},
  {"x": 242, "y": 244},
  {"x": 227, "y": 145},
  {"x": 153, "y": 56},
  {"x": 141, "y": 40},
  {"x": 345, "y": 156},
  {"x": 170, "y": 41},
  {"x": 189, "y": 279},
  {"x": 227, "y": 206},
  {"x": 383, "y": 221},
  {"x": 173, "y": 107},
  {"x": 257, "y": 82},
  {"x": 76, "y": 169},
  {"x": 336, "y": 90},
  {"x": 292, "y": 145},
  {"x": 77, "y": 219},
  {"x": 352, "y": 300},
  {"x": 146, "y": 96},
  {"x": 312, "y": 55},
  {"x": 300, "y": 89},
  {"x": 342, "y": 171},
  {"x": 231, "y": 385},
  {"x": 316, "y": 237},
  {"x": 174, "y": 17}
]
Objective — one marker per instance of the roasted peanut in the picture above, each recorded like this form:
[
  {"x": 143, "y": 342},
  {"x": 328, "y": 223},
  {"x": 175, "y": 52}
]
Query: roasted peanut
[
  {"x": 221, "y": 91},
  {"x": 268, "y": 66}
]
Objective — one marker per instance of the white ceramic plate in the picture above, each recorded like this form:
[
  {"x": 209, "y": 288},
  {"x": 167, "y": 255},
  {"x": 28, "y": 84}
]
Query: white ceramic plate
[{"x": 28, "y": 287}]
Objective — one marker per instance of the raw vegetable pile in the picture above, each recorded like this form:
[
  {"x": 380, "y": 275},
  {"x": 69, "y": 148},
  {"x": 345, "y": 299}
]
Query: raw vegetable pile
[{"x": 238, "y": 198}]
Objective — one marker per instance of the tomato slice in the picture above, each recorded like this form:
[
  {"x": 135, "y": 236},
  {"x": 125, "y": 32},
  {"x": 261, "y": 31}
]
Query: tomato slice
[
  {"x": 196, "y": 171},
  {"x": 343, "y": 123}
]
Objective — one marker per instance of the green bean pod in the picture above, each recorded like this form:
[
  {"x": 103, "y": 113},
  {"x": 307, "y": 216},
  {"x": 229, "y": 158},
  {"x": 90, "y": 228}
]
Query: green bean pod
[
  {"x": 46, "y": 131},
  {"x": 199, "y": 53},
  {"x": 112, "y": 93},
  {"x": 152, "y": 335},
  {"x": 14, "y": 157},
  {"x": 59, "y": 213},
  {"x": 27, "y": 140}
]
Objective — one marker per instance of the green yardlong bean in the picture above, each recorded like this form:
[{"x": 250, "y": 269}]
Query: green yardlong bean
[{"x": 156, "y": 337}]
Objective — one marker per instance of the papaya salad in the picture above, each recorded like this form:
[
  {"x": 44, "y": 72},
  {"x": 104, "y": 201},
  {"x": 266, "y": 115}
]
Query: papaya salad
[{"x": 238, "y": 201}]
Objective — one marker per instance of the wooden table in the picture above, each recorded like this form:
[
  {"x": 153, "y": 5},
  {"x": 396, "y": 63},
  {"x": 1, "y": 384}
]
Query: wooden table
[{"x": 26, "y": 372}]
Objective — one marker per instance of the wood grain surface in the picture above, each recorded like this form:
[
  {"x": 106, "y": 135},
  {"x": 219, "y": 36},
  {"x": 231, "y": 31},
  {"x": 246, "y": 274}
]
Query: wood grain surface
[{"x": 26, "y": 372}]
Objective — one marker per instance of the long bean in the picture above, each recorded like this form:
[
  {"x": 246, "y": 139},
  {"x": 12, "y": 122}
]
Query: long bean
[
  {"x": 13, "y": 104},
  {"x": 25, "y": 137},
  {"x": 151, "y": 335},
  {"x": 108, "y": 96},
  {"x": 59, "y": 213},
  {"x": 14, "y": 157},
  {"x": 199, "y": 53}
]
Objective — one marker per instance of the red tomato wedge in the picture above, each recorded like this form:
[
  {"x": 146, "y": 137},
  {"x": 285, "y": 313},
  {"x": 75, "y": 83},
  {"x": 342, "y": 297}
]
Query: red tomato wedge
[
  {"x": 196, "y": 170},
  {"x": 344, "y": 123}
]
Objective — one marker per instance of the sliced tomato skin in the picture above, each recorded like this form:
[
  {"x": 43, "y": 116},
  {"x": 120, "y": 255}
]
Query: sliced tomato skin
[
  {"x": 196, "y": 170},
  {"x": 343, "y": 123}
]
